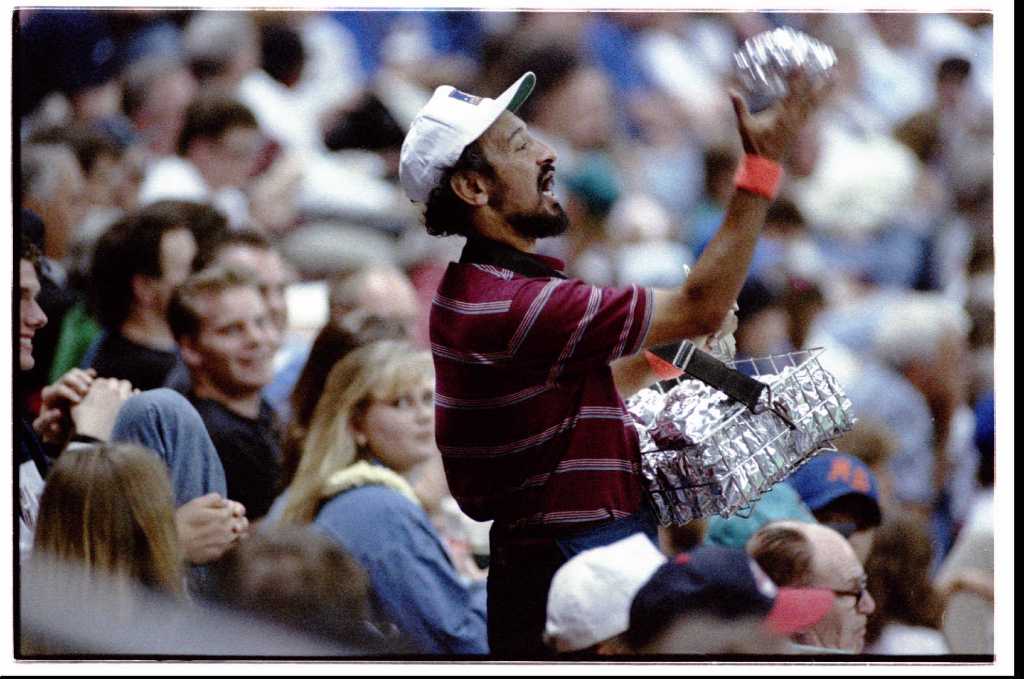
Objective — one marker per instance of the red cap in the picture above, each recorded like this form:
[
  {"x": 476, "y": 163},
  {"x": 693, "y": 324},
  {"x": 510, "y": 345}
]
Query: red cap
[{"x": 796, "y": 609}]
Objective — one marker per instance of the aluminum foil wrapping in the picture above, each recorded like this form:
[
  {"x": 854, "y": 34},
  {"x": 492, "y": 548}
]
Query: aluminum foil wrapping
[
  {"x": 764, "y": 61},
  {"x": 703, "y": 453}
]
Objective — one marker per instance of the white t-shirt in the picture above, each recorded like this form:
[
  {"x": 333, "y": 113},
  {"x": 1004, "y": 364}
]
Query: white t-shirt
[{"x": 900, "y": 639}]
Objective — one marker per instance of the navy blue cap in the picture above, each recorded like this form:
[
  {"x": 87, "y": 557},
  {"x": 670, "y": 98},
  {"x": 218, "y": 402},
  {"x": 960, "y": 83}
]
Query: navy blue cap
[{"x": 725, "y": 583}]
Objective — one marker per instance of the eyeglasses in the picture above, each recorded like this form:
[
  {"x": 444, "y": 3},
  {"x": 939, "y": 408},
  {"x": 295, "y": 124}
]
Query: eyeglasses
[{"x": 857, "y": 594}]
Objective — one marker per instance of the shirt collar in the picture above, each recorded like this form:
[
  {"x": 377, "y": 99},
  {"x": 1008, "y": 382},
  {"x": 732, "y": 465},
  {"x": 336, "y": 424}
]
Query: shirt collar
[{"x": 480, "y": 250}]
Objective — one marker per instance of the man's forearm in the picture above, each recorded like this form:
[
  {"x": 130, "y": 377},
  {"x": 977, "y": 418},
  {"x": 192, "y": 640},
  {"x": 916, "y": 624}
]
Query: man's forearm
[{"x": 706, "y": 297}]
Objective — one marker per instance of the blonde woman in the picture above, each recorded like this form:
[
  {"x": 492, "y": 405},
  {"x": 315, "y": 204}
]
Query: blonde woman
[
  {"x": 372, "y": 428},
  {"x": 109, "y": 509}
]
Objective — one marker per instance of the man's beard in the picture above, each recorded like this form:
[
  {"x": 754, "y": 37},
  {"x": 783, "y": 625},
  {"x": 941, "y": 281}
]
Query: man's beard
[{"x": 539, "y": 224}]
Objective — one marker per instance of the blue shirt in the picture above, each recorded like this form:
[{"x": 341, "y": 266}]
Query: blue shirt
[{"x": 414, "y": 583}]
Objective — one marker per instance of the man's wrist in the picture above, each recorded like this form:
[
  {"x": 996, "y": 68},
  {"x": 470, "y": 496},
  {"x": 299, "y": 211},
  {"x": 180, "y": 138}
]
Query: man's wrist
[{"x": 759, "y": 175}]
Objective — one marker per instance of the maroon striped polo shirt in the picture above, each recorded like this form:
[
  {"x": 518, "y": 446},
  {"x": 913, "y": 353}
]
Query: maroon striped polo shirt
[{"x": 531, "y": 429}]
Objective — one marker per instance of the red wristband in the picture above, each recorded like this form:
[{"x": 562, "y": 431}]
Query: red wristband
[
  {"x": 759, "y": 175},
  {"x": 661, "y": 368}
]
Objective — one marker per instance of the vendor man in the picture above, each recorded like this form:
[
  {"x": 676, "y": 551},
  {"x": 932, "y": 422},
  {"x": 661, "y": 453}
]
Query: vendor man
[{"x": 532, "y": 367}]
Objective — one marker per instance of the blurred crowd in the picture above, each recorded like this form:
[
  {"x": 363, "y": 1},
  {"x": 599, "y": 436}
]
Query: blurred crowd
[{"x": 229, "y": 275}]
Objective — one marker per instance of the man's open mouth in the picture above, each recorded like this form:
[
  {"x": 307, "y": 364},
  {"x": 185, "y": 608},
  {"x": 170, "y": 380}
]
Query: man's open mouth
[{"x": 546, "y": 182}]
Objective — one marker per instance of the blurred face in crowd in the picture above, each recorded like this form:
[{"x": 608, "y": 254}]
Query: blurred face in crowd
[
  {"x": 399, "y": 431},
  {"x": 177, "y": 250},
  {"x": 32, "y": 316},
  {"x": 522, "y": 192},
  {"x": 64, "y": 208},
  {"x": 163, "y": 114},
  {"x": 229, "y": 160},
  {"x": 272, "y": 272},
  {"x": 233, "y": 351},
  {"x": 836, "y": 567},
  {"x": 103, "y": 180},
  {"x": 383, "y": 293},
  {"x": 580, "y": 109}
]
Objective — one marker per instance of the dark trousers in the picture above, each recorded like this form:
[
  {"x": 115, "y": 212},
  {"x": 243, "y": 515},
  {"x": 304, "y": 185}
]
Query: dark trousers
[{"x": 519, "y": 577}]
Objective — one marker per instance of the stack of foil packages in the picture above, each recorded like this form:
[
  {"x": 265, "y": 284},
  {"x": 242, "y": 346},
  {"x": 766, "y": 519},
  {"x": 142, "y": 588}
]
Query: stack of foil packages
[
  {"x": 703, "y": 453},
  {"x": 765, "y": 60}
]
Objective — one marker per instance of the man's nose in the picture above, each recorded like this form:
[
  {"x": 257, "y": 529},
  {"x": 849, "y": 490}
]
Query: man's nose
[
  {"x": 867, "y": 603},
  {"x": 546, "y": 155},
  {"x": 37, "y": 318}
]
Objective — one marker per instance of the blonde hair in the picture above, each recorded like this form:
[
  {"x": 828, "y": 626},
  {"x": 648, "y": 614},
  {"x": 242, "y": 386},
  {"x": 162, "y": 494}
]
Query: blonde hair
[
  {"x": 110, "y": 510},
  {"x": 378, "y": 371}
]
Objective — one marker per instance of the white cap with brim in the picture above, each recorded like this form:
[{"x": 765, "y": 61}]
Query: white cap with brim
[{"x": 450, "y": 121}]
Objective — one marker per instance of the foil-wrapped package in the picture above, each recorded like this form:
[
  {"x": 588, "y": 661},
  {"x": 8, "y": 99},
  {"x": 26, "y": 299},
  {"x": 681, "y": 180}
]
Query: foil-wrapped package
[
  {"x": 764, "y": 61},
  {"x": 703, "y": 453}
]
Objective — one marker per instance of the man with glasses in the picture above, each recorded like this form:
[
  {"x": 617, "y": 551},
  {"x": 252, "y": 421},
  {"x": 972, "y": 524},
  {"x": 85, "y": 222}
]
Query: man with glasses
[{"x": 815, "y": 556}]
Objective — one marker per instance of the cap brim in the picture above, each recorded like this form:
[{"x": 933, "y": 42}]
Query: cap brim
[
  {"x": 512, "y": 98},
  {"x": 796, "y": 609}
]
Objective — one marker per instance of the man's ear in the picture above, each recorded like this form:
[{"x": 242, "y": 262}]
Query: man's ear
[
  {"x": 189, "y": 354},
  {"x": 471, "y": 187}
]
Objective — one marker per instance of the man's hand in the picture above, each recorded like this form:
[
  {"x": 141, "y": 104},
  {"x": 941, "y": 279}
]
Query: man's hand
[
  {"x": 54, "y": 422},
  {"x": 771, "y": 133},
  {"x": 208, "y": 526},
  {"x": 94, "y": 415}
]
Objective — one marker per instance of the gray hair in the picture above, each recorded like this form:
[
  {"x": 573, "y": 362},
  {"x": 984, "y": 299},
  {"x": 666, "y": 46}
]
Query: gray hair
[{"x": 42, "y": 169}]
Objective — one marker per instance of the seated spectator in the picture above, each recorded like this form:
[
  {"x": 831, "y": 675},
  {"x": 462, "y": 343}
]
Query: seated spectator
[
  {"x": 717, "y": 600},
  {"x": 812, "y": 555},
  {"x": 304, "y": 580},
  {"x": 76, "y": 407},
  {"x": 588, "y": 604},
  {"x": 157, "y": 90},
  {"x": 109, "y": 508},
  {"x": 908, "y": 611},
  {"x": 218, "y": 148},
  {"x": 53, "y": 187},
  {"x": 136, "y": 265},
  {"x": 373, "y": 290},
  {"x": 372, "y": 427},
  {"x": 250, "y": 250},
  {"x": 330, "y": 346},
  {"x": 843, "y": 494},
  {"x": 220, "y": 320}
]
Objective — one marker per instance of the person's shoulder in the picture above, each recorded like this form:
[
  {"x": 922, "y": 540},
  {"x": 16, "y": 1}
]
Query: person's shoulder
[
  {"x": 375, "y": 497},
  {"x": 370, "y": 509}
]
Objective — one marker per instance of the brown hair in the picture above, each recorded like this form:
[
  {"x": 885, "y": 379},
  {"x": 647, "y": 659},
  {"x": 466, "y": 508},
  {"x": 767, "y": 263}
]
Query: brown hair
[
  {"x": 110, "y": 509},
  {"x": 783, "y": 553},
  {"x": 897, "y": 571},
  {"x": 297, "y": 577},
  {"x": 183, "y": 313}
]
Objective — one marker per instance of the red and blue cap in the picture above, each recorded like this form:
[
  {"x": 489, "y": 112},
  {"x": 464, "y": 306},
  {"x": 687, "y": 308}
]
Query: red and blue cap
[{"x": 724, "y": 583}]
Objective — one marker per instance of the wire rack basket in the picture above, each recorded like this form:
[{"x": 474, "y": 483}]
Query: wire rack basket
[{"x": 738, "y": 451}]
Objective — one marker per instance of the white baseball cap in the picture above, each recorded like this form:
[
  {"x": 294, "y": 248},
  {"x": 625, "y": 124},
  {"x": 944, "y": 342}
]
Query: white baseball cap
[
  {"x": 450, "y": 121},
  {"x": 591, "y": 593}
]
